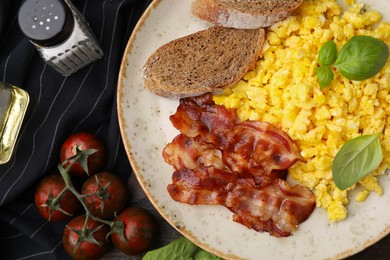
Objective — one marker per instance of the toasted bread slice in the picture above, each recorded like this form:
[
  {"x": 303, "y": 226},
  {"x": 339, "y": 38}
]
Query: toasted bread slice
[
  {"x": 244, "y": 14},
  {"x": 205, "y": 61}
]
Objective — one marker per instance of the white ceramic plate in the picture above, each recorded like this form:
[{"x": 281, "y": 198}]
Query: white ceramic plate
[{"x": 146, "y": 129}]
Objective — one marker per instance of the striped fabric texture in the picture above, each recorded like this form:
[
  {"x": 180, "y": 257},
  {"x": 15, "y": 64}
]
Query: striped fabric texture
[{"x": 59, "y": 106}]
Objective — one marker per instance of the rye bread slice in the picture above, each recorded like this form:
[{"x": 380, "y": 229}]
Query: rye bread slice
[
  {"x": 206, "y": 61},
  {"x": 244, "y": 14}
]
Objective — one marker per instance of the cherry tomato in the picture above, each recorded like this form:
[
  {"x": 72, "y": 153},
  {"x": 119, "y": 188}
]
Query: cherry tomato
[
  {"x": 138, "y": 233},
  {"x": 84, "y": 249},
  {"x": 111, "y": 194},
  {"x": 47, "y": 190},
  {"x": 84, "y": 141}
]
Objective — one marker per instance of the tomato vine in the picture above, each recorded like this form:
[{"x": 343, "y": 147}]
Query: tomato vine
[{"x": 104, "y": 193}]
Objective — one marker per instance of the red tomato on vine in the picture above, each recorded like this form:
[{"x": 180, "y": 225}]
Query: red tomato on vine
[
  {"x": 84, "y": 141},
  {"x": 89, "y": 243},
  {"x": 47, "y": 202},
  {"x": 138, "y": 231},
  {"x": 110, "y": 194}
]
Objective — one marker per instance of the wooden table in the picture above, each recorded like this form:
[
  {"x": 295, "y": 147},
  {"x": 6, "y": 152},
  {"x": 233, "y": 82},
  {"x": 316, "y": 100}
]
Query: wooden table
[{"x": 380, "y": 250}]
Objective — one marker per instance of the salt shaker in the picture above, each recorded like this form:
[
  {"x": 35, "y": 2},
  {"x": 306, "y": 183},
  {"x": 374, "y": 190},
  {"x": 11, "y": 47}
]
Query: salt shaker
[
  {"x": 13, "y": 106},
  {"x": 60, "y": 33}
]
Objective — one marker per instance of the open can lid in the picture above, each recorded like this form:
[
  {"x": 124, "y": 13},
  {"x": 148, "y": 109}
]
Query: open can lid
[{"x": 46, "y": 22}]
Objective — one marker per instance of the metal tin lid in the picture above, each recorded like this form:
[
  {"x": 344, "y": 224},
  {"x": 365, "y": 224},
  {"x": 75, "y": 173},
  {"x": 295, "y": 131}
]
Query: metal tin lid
[{"x": 46, "y": 22}]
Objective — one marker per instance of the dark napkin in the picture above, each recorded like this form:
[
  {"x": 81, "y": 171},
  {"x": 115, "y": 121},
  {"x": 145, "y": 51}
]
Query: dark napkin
[{"x": 60, "y": 106}]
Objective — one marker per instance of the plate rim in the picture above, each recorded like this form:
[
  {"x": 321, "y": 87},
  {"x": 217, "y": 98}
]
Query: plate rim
[
  {"x": 134, "y": 165},
  {"x": 136, "y": 169}
]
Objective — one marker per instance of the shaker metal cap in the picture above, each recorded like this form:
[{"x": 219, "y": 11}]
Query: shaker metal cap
[{"x": 46, "y": 22}]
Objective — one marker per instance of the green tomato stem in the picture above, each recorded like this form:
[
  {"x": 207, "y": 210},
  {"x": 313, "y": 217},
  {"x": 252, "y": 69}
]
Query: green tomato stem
[{"x": 69, "y": 187}]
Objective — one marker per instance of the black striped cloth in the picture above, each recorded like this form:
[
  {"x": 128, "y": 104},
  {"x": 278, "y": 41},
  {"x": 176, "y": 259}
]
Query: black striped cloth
[{"x": 59, "y": 106}]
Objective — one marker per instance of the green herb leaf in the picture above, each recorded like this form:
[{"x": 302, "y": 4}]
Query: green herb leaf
[
  {"x": 204, "y": 255},
  {"x": 355, "y": 159},
  {"x": 362, "y": 57},
  {"x": 327, "y": 54},
  {"x": 325, "y": 76},
  {"x": 180, "y": 248}
]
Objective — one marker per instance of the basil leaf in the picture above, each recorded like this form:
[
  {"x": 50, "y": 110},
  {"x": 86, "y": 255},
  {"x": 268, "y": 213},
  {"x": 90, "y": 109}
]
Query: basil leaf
[
  {"x": 180, "y": 248},
  {"x": 204, "y": 255},
  {"x": 355, "y": 159},
  {"x": 362, "y": 57},
  {"x": 325, "y": 76},
  {"x": 327, "y": 54}
]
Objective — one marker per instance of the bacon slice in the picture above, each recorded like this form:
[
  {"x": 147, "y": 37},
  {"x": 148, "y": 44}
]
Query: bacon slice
[
  {"x": 271, "y": 206},
  {"x": 200, "y": 116},
  {"x": 240, "y": 165},
  {"x": 257, "y": 148},
  {"x": 251, "y": 148},
  {"x": 187, "y": 153}
]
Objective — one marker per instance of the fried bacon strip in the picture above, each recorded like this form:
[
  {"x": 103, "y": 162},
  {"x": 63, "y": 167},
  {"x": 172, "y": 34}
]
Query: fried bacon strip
[
  {"x": 240, "y": 165},
  {"x": 257, "y": 148},
  {"x": 251, "y": 148},
  {"x": 186, "y": 153},
  {"x": 201, "y": 117},
  {"x": 271, "y": 206}
]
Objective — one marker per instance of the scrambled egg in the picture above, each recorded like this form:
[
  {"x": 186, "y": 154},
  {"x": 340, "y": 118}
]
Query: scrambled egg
[{"x": 283, "y": 90}]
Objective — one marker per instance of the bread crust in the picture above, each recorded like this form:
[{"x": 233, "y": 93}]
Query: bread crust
[
  {"x": 228, "y": 15},
  {"x": 205, "y": 61}
]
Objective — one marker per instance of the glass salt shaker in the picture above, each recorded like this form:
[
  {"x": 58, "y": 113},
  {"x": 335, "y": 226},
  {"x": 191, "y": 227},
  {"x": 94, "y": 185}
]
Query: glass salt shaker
[
  {"x": 13, "y": 106},
  {"x": 60, "y": 33}
]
